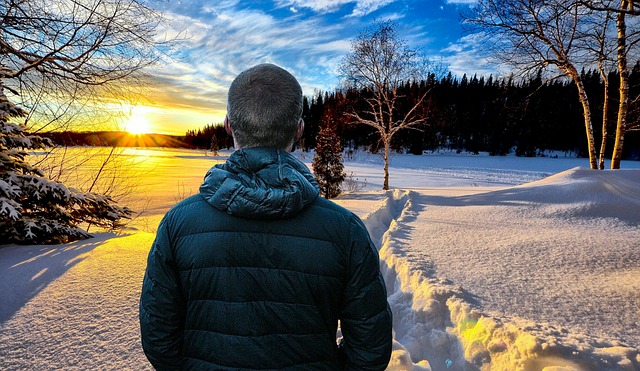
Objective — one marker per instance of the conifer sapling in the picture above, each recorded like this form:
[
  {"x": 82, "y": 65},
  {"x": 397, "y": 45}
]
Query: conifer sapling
[
  {"x": 327, "y": 162},
  {"x": 34, "y": 209}
]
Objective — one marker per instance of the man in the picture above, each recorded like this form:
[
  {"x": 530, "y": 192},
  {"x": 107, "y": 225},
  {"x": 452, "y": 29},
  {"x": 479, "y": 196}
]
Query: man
[{"x": 255, "y": 271}]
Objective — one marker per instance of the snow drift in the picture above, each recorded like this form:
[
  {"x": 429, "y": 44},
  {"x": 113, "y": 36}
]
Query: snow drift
[{"x": 438, "y": 320}]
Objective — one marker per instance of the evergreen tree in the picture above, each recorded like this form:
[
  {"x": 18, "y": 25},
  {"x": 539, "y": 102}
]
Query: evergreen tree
[
  {"x": 327, "y": 162},
  {"x": 34, "y": 209},
  {"x": 214, "y": 145}
]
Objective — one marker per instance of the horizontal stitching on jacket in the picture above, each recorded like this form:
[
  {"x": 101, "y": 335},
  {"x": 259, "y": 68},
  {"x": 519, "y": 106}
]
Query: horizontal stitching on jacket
[
  {"x": 314, "y": 204},
  {"x": 188, "y": 201},
  {"x": 237, "y": 368},
  {"x": 254, "y": 301},
  {"x": 364, "y": 319},
  {"x": 247, "y": 267},
  {"x": 331, "y": 209},
  {"x": 256, "y": 232},
  {"x": 255, "y": 336}
]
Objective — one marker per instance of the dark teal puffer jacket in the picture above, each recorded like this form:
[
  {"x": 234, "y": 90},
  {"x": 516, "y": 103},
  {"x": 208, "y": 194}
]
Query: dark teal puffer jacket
[{"x": 255, "y": 272}]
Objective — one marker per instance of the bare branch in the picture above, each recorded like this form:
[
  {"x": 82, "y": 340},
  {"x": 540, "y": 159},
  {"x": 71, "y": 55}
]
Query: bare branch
[
  {"x": 380, "y": 63},
  {"x": 72, "y": 52},
  {"x": 533, "y": 34}
]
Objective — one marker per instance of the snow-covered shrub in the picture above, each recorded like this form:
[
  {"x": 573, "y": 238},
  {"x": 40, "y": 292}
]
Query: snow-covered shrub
[
  {"x": 352, "y": 184},
  {"x": 34, "y": 209}
]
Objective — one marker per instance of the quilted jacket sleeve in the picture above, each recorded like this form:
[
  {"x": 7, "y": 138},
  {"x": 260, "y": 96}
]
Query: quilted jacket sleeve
[
  {"x": 366, "y": 317},
  {"x": 161, "y": 306}
]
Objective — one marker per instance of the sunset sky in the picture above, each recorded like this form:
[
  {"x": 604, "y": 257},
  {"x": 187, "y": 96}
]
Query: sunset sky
[{"x": 308, "y": 38}]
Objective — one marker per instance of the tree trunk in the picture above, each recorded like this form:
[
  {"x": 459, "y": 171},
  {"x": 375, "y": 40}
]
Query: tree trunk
[
  {"x": 586, "y": 112},
  {"x": 387, "y": 143},
  {"x": 605, "y": 118},
  {"x": 621, "y": 124}
]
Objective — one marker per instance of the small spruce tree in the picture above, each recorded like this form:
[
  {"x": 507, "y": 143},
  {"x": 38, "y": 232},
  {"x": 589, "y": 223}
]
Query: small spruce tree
[
  {"x": 214, "y": 145},
  {"x": 34, "y": 209},
  {"x": 327, "y": 162}
]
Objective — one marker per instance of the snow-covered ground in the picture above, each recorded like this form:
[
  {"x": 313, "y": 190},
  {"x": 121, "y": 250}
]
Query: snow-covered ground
[{"x": 497, "y": 263}]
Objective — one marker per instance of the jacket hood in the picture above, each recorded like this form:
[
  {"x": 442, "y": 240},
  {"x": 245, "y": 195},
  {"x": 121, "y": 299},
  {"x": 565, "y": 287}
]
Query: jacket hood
[{"x": 260, "y": 183}]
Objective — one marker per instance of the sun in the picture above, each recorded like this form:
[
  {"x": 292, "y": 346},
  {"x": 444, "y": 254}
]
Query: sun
[{"x": 137, "y": 123}]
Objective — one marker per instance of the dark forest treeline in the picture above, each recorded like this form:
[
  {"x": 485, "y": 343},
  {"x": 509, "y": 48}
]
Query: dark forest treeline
[
  {"x": 484, "y": 115},
  {"x": 212, "y": 136},
  {"x": 201, "y": 138},
  {"x": 114, "y": 138}
]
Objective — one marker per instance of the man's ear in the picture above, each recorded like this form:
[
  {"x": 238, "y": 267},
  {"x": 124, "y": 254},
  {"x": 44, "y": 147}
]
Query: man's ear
[
  {"x": 227, "y": 127},
  {"x": 300, "y": 130}
]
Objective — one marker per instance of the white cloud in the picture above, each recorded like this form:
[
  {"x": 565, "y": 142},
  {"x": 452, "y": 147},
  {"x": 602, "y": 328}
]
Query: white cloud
[
  {"x": 321, "y": 6},
  {"x": 224, "y": 41},
  {"x": 468, "y": 56},
  {"x": 395, "y": 16},
  {"x": 362, "y": 7},
  {"x": 469, "y": 2},
  {"x": 219, "y": 5},
  {"x": 335, "y": 47}
]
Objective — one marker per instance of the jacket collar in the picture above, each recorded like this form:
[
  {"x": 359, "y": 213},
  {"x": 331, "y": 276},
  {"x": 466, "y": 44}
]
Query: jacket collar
[{"x": 260, "y": 183}]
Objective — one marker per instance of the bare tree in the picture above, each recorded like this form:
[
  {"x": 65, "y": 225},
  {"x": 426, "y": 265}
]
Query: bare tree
[
  {"x": 598, "y": 41},
  {"x": 605, "y": 104},
  {"x": 626, "y": 39},
  {"x": 379, "y": 62},
  {"x": 536, "y": 34},
  {"x": 65, "y": 60},
  {"x": 62, "y": 57}
]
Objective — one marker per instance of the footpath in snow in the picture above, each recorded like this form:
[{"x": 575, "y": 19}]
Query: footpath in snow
[{"x": 544, "y": 275}]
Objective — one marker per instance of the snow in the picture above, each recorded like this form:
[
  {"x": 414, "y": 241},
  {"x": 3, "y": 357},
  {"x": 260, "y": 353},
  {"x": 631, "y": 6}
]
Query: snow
[
  {"x": 498, "y": 263},
  {"x": 9, "y": 189},
  {"x": 73, "y": 306},
  {"x": 9, "y": 208}
]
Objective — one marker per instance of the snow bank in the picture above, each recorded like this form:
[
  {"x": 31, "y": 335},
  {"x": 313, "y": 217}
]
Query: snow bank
[
  {"x": 583, "y": 193},
  {"x": 419, "y": 308},
  {"x": 438, "y": 321}
]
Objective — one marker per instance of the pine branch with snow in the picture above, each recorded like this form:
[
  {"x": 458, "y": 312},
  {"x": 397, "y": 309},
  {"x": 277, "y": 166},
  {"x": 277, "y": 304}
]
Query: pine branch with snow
[{"x": 35, "y": 209}]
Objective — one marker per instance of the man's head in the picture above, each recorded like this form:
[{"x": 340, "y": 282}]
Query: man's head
[{"x": 264, "y": 108}]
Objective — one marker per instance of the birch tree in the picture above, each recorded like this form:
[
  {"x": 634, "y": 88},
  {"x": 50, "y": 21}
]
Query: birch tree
[
  {"x": 533, "y": 34},
  {"x": 600, "y": 43},
  {"x": 626, "y": 39},
  {"x": 379, "y": 62}
]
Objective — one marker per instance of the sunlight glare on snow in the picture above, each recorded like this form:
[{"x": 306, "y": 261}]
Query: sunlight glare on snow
[
  {"x": 50, "y": 251},
  {"x": 42, "y": 271}
]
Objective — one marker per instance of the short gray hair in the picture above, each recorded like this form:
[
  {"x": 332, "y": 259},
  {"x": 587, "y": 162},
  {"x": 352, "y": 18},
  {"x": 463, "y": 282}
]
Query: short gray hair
[{"x": 264, "y": 107}]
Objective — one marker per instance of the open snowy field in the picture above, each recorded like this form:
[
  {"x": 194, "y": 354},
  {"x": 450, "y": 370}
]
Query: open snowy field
[{"x": 492, "y": 263}]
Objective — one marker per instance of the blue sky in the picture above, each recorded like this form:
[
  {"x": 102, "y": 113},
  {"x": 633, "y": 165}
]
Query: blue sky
[{"x": 308, "y": 38}]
